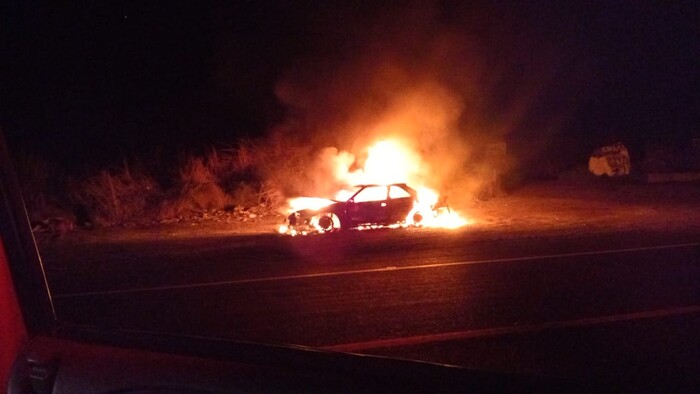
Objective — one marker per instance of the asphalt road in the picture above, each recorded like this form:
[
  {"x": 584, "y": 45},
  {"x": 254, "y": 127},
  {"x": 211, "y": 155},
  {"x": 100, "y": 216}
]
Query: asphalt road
[{"x": 603, "y": 305}]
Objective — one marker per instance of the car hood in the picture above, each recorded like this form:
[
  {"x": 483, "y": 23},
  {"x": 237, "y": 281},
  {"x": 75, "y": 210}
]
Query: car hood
[{"x": 313, "y": 211}]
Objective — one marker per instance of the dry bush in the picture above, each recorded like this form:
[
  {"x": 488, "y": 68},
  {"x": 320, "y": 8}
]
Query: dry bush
[
  {"x": 194, "y": 198},
  {"x": 195, "y": 172},
  {"x": 198, "y": 189},
  {"x": 254, "y": 172},
  {"x": 262, "y": 194},
  {"x": 262, "y": 170},
  {"x": 246, "y": 195},
  {"x": 219, "y": 162},
  {"x": 271, "y": 195},
  {"x": 231, "y": 165},
  {"x": 117, "y": 196},
  {"x": 245, "y": 157},
  {"x": 281, "y": 163}
]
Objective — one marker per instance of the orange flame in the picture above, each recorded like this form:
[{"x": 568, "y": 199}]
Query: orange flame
[
  {"x": 299, "y": 203},
  {"x": 388, "y": 161}
]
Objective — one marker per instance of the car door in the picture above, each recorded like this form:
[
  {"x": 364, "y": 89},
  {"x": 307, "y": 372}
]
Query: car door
[
  {"x": 399, "y": 204},
  {"x": 369, "y": 206}
]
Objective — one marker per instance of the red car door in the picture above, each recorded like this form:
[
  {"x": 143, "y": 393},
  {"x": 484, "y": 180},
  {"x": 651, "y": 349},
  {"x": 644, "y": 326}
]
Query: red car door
[{"x": 369, "y": 206}]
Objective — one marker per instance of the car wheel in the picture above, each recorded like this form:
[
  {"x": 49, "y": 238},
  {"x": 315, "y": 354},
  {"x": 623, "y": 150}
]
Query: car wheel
[
  {"x": 417, "y": 218},
  {"x": 329, "y": 222}
]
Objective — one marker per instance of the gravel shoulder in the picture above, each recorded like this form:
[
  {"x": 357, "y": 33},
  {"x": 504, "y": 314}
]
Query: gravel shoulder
[{"x": 600, "y": 205}]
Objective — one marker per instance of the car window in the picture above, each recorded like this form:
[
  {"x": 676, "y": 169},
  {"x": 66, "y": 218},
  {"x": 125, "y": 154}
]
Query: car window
[
  {"x": 371, "y": 193},
  {"x": 397, "y": 192}
]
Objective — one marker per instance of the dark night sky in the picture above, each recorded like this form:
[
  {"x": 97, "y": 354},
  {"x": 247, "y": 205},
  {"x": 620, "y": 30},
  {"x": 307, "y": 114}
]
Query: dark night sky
[{"x": 104, "y": 79}]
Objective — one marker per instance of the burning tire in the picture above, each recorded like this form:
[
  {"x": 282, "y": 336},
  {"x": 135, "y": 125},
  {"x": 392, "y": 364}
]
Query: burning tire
[
  {"x": 327, "y": 222},
  {"x": 417, "y": 218}
]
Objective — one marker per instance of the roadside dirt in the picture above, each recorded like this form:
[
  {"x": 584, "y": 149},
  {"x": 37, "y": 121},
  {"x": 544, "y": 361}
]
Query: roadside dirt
[
  {"x": 540, "y": 208},
  {"x": 604, "y": 205}
]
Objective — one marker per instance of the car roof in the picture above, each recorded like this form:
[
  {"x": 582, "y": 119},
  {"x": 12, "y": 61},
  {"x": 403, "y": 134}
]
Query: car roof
[{"x": 381, "y": 184}]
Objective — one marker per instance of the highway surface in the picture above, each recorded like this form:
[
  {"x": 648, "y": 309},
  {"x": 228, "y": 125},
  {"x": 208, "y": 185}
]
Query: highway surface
[{"x": 623, "y": 306}]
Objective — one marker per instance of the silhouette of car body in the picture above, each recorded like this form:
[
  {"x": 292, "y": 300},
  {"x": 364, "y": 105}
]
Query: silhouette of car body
[{"x": 370, "y": 205}]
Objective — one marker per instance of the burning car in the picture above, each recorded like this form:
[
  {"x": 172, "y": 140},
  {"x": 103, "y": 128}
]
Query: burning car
[{"x": 367, "y": 206}]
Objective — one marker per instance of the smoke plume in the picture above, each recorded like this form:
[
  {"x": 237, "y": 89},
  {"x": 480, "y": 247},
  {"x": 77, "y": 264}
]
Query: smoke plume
[{"x": 413, "y": 76}]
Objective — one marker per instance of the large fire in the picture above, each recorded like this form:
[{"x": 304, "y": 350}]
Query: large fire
[{"x": 388, "y": 161}]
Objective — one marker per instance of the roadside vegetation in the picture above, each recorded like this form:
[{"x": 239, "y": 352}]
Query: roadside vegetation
[
  {"x": 251, "y": 180},
  {"x": 242, "y": 182}
]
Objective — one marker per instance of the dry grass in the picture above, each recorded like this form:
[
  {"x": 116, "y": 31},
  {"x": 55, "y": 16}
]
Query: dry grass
[
  {"x": 116, "y": 196},
  {"x": 195, "y": 172},
  {"x": 283, "y": 164},
  {"x": 260, "y": 172},
  {"x": 269, "y": 169}
]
